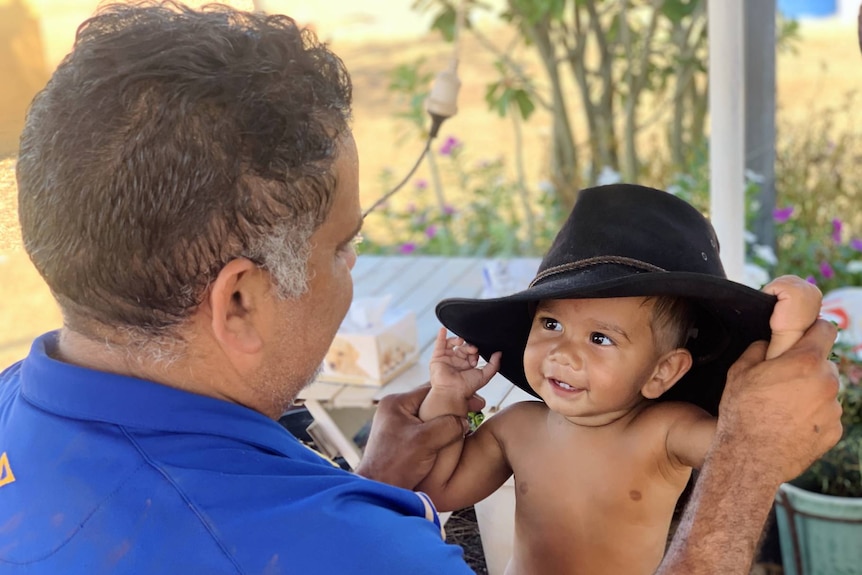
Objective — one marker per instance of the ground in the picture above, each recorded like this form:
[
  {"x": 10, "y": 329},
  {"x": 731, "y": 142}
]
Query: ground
[{"x": 462, "y": 529}]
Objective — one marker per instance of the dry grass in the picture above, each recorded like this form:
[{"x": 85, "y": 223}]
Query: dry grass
[{"x": 826, "y": 67}]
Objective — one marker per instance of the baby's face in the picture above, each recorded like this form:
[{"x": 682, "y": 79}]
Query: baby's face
[{"x": 589, "y": 358}]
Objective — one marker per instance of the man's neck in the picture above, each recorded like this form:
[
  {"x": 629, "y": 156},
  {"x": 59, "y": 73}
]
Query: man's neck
[{"x": 183, "y": 368}]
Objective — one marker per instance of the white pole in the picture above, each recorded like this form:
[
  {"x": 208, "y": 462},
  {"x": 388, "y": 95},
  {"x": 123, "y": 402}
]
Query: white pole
[{"x": 727, "y": 131}]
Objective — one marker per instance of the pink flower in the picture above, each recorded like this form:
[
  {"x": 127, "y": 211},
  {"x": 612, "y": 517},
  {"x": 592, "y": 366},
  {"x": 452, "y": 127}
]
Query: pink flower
[
  {"x": 421, "y": 184},
  {"x": 449, "y": 146},
  {"x": 449, "y": 210},
  {"x": 781, "y": 215},
  {"x": 856, "y": 244},
  {"x": 811, "y": 280},
  {"x": 836, "y": 231},
  {"x": 826, "y": 270},
  {"x": 407, "y": 248},
  {"x": 411, "y": 208},
  {"x": 431, "y": 231}
]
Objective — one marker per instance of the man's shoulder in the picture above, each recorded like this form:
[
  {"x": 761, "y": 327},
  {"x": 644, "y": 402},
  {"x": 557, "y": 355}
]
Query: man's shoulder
[{"x": 214, "y": 504}]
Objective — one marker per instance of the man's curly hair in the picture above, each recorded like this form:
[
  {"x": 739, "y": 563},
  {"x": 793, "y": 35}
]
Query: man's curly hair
[{"x": 168, "y": 142}]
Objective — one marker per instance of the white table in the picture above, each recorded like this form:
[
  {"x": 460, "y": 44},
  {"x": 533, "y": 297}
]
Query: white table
[{"x": 416, "y": 283}]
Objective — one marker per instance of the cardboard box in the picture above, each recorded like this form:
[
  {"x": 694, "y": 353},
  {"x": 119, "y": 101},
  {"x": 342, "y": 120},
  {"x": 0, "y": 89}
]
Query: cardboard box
[{"x": 372, "y": 356}]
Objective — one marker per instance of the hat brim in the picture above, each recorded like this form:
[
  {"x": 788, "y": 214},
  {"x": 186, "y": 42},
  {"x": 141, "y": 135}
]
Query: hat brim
[{"x": 731, "y": 317}]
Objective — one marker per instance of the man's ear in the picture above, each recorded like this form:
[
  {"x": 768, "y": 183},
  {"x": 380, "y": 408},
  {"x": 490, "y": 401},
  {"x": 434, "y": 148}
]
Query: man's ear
[
  {"x": 235, "y": 299},
  {"x": 669, "y": 369}
]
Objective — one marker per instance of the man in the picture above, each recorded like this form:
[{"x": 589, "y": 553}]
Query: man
[{"x": 188, "y": 190}]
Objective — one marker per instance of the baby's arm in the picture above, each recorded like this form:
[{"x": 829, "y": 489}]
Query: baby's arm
[
  {"x": 689, "y": 435},
  {"x": 797, "y": 309},
  {"x": 480, "y": 470},
  {"x": 455, "y": 378}
]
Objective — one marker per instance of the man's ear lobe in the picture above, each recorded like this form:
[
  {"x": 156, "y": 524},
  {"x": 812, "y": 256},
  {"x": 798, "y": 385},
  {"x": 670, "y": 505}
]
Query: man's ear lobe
[
  {"x": 235, "y": 298},
  {"x": 670, "y": 368}
]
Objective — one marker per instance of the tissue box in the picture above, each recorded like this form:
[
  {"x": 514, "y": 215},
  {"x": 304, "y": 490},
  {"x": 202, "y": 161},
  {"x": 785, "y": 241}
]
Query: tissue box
[{"x": 372, "y": 356}]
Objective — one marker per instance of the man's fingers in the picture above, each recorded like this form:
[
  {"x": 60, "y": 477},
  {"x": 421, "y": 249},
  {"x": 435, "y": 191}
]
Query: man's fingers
[
  {"x": 443, "y": 431},
  {"x": 754, "y": 354},
  {"x": 475, "y": 403},
  {"x": 409, "y": 400},
  {"x": 819, "y": 339}
]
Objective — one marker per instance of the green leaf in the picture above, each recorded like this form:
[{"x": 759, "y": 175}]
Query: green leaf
[
  {"x": 525, "y": 103},
  {"x": 677, "y": 10},
  {"x": 445, "y": 23}
]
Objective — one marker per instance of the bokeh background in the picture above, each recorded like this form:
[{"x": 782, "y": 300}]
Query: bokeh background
[{"x": 818, "y": 74}]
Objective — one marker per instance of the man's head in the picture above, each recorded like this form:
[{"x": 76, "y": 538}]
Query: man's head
[
  {"x": 593, "y": 360},
  {"x": 169, "y": 143}
]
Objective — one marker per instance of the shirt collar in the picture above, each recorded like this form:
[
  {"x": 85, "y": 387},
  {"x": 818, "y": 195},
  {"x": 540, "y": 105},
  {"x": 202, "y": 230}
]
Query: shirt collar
[{"x": 80, "y": 393}]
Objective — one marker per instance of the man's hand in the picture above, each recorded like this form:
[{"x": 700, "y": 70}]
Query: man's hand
[
  {"x": 783, "y": 412},
  {"x": 776, "y": 417},
  {"x": 401, "y": 449}
]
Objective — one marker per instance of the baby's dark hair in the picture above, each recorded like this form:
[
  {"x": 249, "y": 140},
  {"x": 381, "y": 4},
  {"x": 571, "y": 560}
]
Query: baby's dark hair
[{"x": 673, "y": 319}]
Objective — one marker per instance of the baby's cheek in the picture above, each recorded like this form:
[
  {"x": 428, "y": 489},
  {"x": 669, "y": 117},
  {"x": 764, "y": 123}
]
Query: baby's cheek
[{"x": 533, "y": 357}]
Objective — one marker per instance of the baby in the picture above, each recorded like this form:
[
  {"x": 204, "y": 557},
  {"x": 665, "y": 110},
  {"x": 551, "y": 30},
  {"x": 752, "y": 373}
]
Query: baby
[{"x": 630, "y": 304}]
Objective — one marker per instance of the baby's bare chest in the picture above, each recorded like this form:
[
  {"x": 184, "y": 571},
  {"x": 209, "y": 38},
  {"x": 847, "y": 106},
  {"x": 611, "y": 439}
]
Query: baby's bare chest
[{"x": 592, "y": 475}]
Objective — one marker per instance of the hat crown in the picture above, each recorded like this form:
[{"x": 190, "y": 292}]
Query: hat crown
[{"x": 643, "y": 228}]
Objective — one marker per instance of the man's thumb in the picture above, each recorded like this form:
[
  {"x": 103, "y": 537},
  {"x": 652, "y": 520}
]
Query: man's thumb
[
  {"x": 755, "y": 354},
  {"x": 444, "y": 430}
]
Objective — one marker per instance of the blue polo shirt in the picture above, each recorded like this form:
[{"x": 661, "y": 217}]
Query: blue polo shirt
[{"x": 101, "y": 473}]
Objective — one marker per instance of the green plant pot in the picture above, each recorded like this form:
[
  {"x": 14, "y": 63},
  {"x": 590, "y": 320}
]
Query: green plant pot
[{"x": 819, "y": 534}]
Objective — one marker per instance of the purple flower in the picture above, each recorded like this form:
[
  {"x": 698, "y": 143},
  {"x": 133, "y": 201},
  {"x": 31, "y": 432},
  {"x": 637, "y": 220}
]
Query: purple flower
[
  {"x": 449, "y": 146},
  {"x": 856, "y": 244},
  {"x": 781, "y": 215},
  {"x": 826, "y": 270},
  {"x": 836, "y": 231},
  {"x": 421, "y": 184},
  {"x": 431, "y": 231},
  {"x": 811, "y": 280},
  {"x": 407, "y": 248},
  {"x": 449, "y": 210}
]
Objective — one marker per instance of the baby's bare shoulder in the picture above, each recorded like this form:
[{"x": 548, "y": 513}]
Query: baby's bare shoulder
[
  {"x": 523, "y": 410},
  {"x": 517, "y": 417},
  {"x": 663, "y": 414}
]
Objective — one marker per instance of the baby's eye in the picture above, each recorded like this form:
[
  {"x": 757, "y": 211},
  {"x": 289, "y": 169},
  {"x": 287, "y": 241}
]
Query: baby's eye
[
  {"x": 551, "y": 324},
  {"x": 600, "y": 339}
]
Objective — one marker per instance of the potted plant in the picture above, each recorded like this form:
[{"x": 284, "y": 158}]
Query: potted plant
[{"x": 819, "y": 514}]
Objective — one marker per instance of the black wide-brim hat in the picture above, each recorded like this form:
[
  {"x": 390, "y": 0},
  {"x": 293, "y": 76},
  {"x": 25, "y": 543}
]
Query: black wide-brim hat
[{"x": 619, "y": 241}]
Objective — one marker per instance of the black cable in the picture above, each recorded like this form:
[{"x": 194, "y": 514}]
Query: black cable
[
  {"x": 436, "y": 122},
  {"x": 402, "y": 182}
]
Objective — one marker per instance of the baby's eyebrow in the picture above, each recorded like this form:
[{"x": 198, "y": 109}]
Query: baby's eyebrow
[{"x": 614, "y": 328}]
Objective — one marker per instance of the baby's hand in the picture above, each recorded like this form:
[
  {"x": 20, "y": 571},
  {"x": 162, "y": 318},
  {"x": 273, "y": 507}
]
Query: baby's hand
[
  {"x": 798, "y": 307},
  {"x": 454, "y": 366}
]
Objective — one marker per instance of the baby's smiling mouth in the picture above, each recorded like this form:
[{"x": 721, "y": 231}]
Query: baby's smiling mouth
[{"x": 563, "y": 385}]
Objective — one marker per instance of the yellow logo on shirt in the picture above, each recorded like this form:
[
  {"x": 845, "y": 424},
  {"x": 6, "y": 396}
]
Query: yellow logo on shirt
[{"x": 6, "y": 475}]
